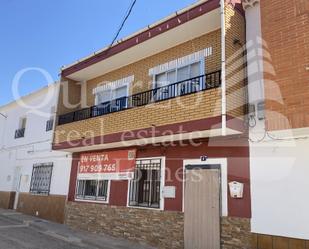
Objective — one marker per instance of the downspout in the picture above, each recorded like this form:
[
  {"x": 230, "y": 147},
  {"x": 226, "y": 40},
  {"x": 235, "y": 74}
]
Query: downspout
[{"x": 223, "y": 72}]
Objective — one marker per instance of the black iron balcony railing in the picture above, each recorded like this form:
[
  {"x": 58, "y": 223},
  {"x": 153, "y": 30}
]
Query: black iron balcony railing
[
  {"x": 49, "y": 124},
  {"x": 20, "y": 133},
  {"x": 185, "y": 87}
]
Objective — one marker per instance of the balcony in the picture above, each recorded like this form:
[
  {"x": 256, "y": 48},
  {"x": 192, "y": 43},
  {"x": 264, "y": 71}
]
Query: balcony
[
  {"x": 20, "y": 133},
  {"x": 182, "y": 88},
  {"x": 184, "y": 110}
]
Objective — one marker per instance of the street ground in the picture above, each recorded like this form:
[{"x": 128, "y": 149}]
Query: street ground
[{"x": 19, "y": 231}]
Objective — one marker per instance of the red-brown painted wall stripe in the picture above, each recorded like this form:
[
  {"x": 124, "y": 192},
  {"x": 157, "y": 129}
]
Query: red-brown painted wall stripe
[
  {"x": 189, "y": 126},
  {"x": 235, "y": 149}
]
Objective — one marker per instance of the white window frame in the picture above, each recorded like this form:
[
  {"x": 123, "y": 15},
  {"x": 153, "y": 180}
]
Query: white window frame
[
  {"x": 162, "y": 184},
  {"x": 21, "y": 122},
  {"x": 110, "y": 90},
  {"x": 223, "y": 178},
  {"x": 202, "y": 72},
  {"x": 112, "y": 86},
  {"x": 90, "y": 200}
]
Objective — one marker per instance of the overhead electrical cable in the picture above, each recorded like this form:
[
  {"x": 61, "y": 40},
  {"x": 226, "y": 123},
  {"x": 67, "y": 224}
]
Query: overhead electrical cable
[{"x": 127, "y": 15}]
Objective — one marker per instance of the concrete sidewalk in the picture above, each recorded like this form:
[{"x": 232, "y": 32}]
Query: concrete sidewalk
[{"x": 19, "y": 231}]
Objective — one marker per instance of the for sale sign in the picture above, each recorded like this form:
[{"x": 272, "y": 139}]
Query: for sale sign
[{"x": 111, "y": 165}]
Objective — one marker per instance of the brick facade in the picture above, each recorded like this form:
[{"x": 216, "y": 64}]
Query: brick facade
[
  {"x": 140, "y": 70},
  {"x": 186, "y": 108},
  {"x": 236, "y": 92},
  {"x": 286, "y": 36},
  {"x": 192, "y": 107},
  {"x": 69, "y": 97}
]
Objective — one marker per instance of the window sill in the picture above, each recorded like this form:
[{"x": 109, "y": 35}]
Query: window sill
[
  {"x": 91, "y": 201},
  {"x": 148, "y": 208},
  {"x": 39, "y": 194}
]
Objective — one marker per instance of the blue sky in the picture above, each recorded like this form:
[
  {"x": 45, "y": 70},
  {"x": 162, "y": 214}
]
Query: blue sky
[{"x": 49, "y": 34}]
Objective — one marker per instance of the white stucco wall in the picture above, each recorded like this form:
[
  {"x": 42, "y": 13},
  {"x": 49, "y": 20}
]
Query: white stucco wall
[
  {"x": 17, "y": 156},
  {"x": 279, "y": 167},
  {"x": 280, "y": 188},
  {"x": 7, "y": 166}
]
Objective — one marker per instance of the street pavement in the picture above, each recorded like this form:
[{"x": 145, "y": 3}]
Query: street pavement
[{"x": 19, "y": 231}]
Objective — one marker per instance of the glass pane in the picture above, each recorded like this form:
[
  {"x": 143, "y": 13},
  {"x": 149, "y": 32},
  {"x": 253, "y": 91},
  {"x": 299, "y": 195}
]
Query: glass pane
[
  {"x": 161, "y": 80},
  {"x": 80, "y": 188},
  {"x": 171, "y": 77},
  {"x": 91, "y": 188},
  {"x": 41, "y": 177},
  {"x": 195, "y": 70},
  {"x": 120, "y": 92},
  {"x": 103, "y": 96},
  {"x": 145, "y": 187},
  {"x": 183, "y": 73},
  {"x": 155, "y": 188},
  {"x": 23, "y": 123},
  {"x": 102, "y": 192},
  {"x": 143, "y": 197}
]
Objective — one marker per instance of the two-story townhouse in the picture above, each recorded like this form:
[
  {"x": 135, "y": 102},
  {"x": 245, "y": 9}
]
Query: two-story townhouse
[
  {"x": 278, "y": 83},
  {"x": 34, "y": 179},
  {"x": 156, "y": 126}
]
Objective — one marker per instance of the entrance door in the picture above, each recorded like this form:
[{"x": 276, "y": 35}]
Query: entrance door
[
  {"x": 202, "y": 207},
  {"x": 17, "y": 181}
]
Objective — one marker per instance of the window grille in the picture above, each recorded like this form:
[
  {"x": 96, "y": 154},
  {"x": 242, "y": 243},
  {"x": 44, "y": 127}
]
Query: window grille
[
  {"x": 96, "y": 190},
  {"x": 145, "y": 187},
  {"x": 41, "y": 178}
]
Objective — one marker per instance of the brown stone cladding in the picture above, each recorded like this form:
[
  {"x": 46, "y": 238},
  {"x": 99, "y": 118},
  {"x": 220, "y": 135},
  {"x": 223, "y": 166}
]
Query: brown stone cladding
[{"x": 163, "y": 229}]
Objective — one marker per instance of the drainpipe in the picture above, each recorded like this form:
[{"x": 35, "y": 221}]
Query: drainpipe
[{"x": 223, "y": 72}]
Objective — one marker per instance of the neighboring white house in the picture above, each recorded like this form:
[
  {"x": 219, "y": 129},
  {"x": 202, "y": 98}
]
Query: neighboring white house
[
  {"x": 34, "y": 179},
  {"x": 279, "y": 160}
]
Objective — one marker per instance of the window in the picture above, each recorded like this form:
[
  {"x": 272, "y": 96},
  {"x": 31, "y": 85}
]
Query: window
[
  {"x": 49, "y": 124},
  {"x": 23, "y": 122},
  {"x": 145, "y": 187},
  {"x": 116, "y": 98},
  {"x": 20, "y": 132},
  {"x": 41, "y": 178},
  {"x": 96, "y": 190},
  {"x": 110, "y": 94},
  {"x": 163, "y": 80}
]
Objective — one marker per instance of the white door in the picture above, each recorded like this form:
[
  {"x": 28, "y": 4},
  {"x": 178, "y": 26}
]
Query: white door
[
  {"x": 17, "y": 182},
  {"x": 202, "y": 207}
]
